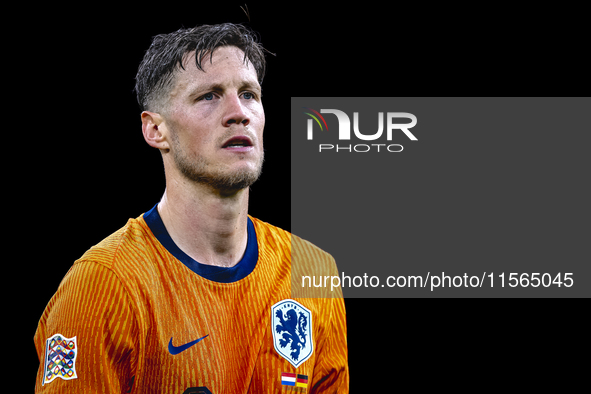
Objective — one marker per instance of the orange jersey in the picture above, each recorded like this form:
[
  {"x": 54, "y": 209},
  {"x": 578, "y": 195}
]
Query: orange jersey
[{"x": 135, "y": 314}]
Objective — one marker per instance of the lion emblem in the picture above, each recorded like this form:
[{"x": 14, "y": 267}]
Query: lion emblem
[{"x": 291, "y": 323}]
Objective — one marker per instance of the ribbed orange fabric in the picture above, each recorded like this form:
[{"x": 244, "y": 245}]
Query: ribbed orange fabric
[{"x": 128, "y": 297}]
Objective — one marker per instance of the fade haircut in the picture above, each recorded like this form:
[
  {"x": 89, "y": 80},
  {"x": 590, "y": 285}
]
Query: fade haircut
[{"x": 167, "y": 52}]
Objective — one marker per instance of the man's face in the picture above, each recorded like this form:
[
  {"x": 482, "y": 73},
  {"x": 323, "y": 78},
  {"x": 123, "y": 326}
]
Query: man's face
[{"x": 215, "y": 121}]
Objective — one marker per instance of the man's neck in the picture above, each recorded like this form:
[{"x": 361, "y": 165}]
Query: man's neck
[{"x": 209, "y": 226}]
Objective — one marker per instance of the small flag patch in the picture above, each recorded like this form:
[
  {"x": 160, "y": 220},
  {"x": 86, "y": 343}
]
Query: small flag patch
[
  {"x": 60, "y": 358},
  {"x": 302, "y": 381},
  {"x": 299, "y": 382},
  {"x": 288, "y": 379}
]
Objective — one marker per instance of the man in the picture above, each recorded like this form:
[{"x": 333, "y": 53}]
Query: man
[{"x": 195, "y": 296}]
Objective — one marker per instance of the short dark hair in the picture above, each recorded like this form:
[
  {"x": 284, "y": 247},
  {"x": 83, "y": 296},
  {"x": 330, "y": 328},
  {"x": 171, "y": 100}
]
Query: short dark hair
[{"x": 167, "y": 52}]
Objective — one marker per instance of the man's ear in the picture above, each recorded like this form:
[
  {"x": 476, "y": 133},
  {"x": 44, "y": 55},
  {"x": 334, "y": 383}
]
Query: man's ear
[{"x": 154, "y": 130}]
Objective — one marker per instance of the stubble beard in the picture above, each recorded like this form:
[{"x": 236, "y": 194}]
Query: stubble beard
[{"x": 200, "y": 170}]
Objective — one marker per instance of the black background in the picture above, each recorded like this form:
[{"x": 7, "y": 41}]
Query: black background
[{"x": 79, "y": 167}]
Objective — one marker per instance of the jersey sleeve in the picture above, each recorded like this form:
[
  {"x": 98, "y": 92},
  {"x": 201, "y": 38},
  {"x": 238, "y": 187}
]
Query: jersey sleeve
[
  {"x": 331, "y": 368},
  {"x": 331, "y": 372},
  {"x": 87, "y": 338}
]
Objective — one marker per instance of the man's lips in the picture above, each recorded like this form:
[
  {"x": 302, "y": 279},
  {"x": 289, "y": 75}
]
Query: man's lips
[{"x": 238, "y": 143}]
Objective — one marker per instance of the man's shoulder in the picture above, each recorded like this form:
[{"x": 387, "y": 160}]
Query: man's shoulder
[
  {"x": 300, "y": 249},
  {"x": 128, "y": 242},
  {"x": 306, "y": 261}
]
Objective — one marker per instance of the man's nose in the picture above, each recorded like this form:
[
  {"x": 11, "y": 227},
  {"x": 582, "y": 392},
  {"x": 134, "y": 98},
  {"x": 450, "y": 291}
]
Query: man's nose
[{"x": 235, "y": 112}]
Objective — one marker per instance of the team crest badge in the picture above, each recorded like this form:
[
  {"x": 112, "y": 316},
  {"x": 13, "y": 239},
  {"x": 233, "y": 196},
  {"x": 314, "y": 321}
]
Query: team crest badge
[
  {"x": 60, "y": 358},
  {"x": 291, "y": 323}
]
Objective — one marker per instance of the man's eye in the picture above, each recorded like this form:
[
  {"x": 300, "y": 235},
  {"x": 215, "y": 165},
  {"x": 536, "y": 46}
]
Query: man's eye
[
  {"x": 248, "y": 95},
  {"x": 208, "y": 96}
]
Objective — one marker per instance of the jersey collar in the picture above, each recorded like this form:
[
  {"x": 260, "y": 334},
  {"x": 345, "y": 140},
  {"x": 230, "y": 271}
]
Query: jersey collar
[{"x": 217, "y": 274}]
